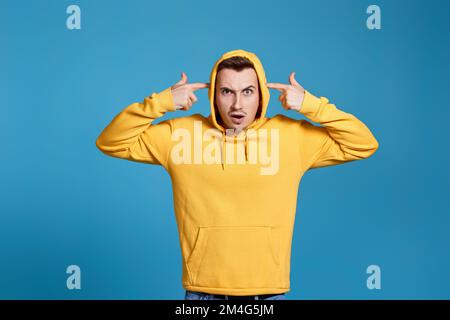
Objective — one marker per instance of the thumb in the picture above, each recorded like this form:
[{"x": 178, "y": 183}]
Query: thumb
[
  {"x": 292, "y": 80},
  {"x": 183, "y": 79}
]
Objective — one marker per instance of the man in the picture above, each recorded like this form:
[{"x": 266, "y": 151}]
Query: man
[{"x": 235, "y": 174}]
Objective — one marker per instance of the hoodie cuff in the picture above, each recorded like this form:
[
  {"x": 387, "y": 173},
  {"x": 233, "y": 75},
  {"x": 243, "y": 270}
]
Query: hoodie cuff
[
  {"x": 310, "y": 104},
  {"x": 164, "y": 100}
]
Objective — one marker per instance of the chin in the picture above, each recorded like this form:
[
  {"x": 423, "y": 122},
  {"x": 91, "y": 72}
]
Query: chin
[{"x": 237, "y": 127}]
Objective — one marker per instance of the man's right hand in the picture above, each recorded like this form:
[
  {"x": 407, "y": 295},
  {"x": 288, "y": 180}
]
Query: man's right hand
[{"x": 183, "y": 92}]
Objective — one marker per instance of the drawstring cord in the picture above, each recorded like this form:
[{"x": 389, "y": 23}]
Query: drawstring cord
[
  {"x": 246, "y": 146},
  {"x": 221, "y": 150},
  {"x": 222, "y": 147}
]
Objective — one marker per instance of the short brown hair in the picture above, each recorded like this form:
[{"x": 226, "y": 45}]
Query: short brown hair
[{"x": 239, "y": 63}]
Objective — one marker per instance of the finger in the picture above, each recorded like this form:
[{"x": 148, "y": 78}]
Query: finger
[
  {"x": 198, "y": 85},
  {"x": 193, "y": 98},
  {"x": 283, "y": 101},
  {"x": 292, "y": 80},
  {"x": 278, "y": 86},
  {"x": 183, "y": 79},
  {"x": 188, "y": 104}
]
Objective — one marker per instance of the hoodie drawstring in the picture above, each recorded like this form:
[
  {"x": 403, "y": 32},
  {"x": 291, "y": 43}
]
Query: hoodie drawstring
[
  {"x": 222, "y": 147},
  {"x": 246, "y": 146},
  {"x": 222, "y": 143}
]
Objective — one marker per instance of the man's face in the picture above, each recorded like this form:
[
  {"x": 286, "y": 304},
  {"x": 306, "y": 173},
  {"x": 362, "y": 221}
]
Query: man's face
[{"x": 237, "y": 97}]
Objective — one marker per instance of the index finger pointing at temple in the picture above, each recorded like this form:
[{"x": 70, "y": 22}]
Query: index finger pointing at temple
[
  {"x": 198, "y": 85},
  {"x": 278, "y": 86}
]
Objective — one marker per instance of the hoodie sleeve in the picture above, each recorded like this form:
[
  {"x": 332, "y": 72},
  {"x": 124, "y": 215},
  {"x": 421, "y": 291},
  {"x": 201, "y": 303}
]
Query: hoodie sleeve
[
  {"x": 131, "y": 135},
  {"x": 340, "y": 138}
]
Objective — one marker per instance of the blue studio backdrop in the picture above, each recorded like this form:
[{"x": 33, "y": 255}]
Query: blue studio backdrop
[{"x": 63, "y": 202}]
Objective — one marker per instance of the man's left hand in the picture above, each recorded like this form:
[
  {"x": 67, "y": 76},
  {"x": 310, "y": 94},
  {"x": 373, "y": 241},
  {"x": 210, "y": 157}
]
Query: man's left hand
[{"x": 291, "y": 94}]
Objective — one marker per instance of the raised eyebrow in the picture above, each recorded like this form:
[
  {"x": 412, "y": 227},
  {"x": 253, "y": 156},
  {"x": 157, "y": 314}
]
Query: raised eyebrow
[{"x": 250, "y": 86}]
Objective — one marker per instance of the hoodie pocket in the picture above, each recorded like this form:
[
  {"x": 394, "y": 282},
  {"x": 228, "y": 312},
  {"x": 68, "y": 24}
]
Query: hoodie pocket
[{"x": 235, "y": 257}]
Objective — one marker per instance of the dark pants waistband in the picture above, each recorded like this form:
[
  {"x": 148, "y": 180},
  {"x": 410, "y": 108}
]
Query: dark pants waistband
[{"x": 254, "y": 297}]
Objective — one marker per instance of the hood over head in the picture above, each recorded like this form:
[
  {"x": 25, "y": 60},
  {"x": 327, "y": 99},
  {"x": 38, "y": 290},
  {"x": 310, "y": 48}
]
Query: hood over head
[
  {"x": 264, "y": 91},
  {"x": 264, "y": 95}
]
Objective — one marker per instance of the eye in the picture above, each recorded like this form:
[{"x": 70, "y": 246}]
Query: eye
[
  {"x": 250, "y": 91},
  {"x": 225, "y": 91}
]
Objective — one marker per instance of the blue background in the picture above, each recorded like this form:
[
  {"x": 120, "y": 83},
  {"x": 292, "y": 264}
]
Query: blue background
[{"x": 63, "y": 202}]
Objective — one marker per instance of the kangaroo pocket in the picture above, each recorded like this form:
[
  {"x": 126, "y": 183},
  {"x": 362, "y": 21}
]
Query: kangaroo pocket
[{"x": 235, "y": 257}]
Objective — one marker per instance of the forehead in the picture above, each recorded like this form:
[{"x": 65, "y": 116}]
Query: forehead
[{"x": 237, "y": 79}]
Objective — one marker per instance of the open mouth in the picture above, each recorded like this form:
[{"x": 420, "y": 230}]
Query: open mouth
[{"x": 237, "y": 118}]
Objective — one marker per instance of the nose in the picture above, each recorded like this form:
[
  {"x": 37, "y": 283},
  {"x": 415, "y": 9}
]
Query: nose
[{"x": 236, "y": 104}]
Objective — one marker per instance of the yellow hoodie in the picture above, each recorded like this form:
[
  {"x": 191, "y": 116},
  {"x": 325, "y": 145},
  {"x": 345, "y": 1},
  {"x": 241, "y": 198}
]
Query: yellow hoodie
[{"x": 235, "y": 218}]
